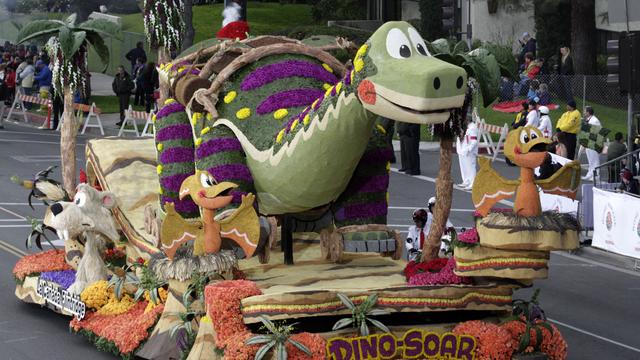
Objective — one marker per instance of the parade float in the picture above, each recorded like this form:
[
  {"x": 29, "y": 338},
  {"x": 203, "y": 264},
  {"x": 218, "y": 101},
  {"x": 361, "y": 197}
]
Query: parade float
[{"x": 253, "y": 224}]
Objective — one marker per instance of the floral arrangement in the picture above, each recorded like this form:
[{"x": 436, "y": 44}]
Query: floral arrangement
[
  {"x": 115, "y": 256},
  {"x": 469, "y": 237},
  {"x": 116, "y": 307},
  {"x": 444, "y": 276},
  {"x": 493, "y": 341},
  {"x": 314, "y": 342},
  {"x": 553, "y": 344},
  {"x": 288, "y": 99},
  {"x": 162, "y": 297},
  {"x": 64, "y": 278},
  {"x": 34, "y": 264},
  {"x": 119, "y": 334},
  {"x": 163, "y": 23},
  {"x": 286, "y": 69},
  {"x": 414, "y": 268},
  {"x": 234, "y": 30},
  {"x": 97, "y": 294},
  {"x": 67, "y": 72}
]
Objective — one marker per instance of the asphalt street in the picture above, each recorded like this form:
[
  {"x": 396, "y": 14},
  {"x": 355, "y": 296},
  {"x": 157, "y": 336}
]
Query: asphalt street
[{"x": 592, "y": 300}]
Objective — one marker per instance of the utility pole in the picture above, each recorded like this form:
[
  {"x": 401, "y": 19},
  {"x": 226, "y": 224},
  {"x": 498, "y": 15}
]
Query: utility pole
[
  {"x": 469, "y": 30},
  {"x": 634, "y": 53}
]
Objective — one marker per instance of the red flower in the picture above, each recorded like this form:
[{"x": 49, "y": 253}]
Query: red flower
[
  {"x": 493, "y": 341},
  {"x": 414, "y": 268},
  {"x": 51, "y": 260},
  {"x": 314, "y": 342},
  {"x": 140, "y": 261},
  {"x": 234, "y": 30}
]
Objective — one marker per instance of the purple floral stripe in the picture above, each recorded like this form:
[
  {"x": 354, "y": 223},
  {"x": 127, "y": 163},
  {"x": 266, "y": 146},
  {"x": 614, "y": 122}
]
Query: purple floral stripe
[
  {"x": 369, "y": 184},
  {"x": 174, "y": 132},
  {"x": 217, "y": 145},
  {"x": 173, "y": 182},
  {"x": 347, "y": 78},
  {"x": 272, "y": 72},
  {"x": 362, "y": 211},
  {"x": 176, "y": 155},
  {"x": 170, "y": 109},
  {"x": 237, "y": 196},
  {"x": 182, "y": 206},
  {"x": 231, "y": 172},
  {"x": 288, "y": 99},
  {"x": 377, "y": 156},
  {"x": 64, "y": 278}
]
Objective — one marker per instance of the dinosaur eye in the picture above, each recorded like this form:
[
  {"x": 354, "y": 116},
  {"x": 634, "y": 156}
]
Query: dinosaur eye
[
  {"x": 207, "y": 180},
  {"x": 398, "y": 46},
  {"x": 80, "y": 199},
  {"x": 524, "y": 137},
  {"x": 418, "y": 42},
  {"x": 533, "y": 135}
]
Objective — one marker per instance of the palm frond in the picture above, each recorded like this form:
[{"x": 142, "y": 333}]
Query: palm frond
[
  {"x": 342, "y": 323},
  {"x": 264, "y": 350},
  {"x": 379, "y": 325},
  {"x": 259, "y": 339},
  {"x": 300, "y": 346},
  {"x": 364, "y": 329},
  {"x": 346, "y": 301},
  {"x": 377, "y": 312},
  {"x": 101, "y": 26},
  {"x": 38, "y": 29},
  {"x": 281, "y": 351},
  {"x": 269, "y": 324}
]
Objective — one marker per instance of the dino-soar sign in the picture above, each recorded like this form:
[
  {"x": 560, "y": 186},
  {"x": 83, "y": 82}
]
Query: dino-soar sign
[{"x": 60, "y": 298}]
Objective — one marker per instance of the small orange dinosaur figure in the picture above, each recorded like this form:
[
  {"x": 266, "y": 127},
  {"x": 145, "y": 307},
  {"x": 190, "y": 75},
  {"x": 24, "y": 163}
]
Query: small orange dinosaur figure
[
  {"x": 525, "y": 147},
  {"x": 240, "y": 225}
]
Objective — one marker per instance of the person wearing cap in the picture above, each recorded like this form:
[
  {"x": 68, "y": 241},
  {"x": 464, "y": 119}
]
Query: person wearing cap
[
  {"x": 628, "y": 183},
  {"x": 528, "y": 45},
  {"x": 43, "y": 79},
  {"x": 467, "y": 149},
  {"x": 569, "y": 124},
  {"x": 533, "y": 118},
  {"x": 417, "y": 234},
  {"x": 544, "y": 125},
  {"x": 592, "y": 156}
]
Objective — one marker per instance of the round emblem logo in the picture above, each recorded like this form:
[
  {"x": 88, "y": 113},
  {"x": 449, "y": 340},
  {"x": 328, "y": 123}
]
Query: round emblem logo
[{"x": 609, "y": 220}]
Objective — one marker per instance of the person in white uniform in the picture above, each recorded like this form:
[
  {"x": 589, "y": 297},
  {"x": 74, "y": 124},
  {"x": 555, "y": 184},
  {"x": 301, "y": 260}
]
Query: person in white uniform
[
  {"x": 592, "y": 156},
  {"x": 545, "y": 126},
  {"x": 533, "y": 119},
  {"x": 417, "y": 234},
  {"x": 449, "y": 226},
  {"x": 231, "y": 13},
  {"x": 467, "y": 149}
]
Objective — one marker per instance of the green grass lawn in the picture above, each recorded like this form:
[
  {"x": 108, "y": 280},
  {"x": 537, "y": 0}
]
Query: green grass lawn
[
  {"x": 109, "y": 104},
  {"x": 263, "y": 18}
]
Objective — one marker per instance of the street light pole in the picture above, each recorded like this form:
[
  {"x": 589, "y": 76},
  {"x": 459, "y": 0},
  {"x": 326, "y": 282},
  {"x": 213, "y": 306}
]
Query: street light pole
[{"x": 469, "y": 24}]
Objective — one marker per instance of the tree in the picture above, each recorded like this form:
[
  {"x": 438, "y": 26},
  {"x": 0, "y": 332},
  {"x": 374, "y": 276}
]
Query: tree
[
  {"x": 431, "y": 19},
  {"x": 190, "y": 32},
  {"x": 68, "y": 48},
  {"x": 583, "y": 36},
  {"x": 484, "y": 66},
  {"x": 553, "y": 28}
]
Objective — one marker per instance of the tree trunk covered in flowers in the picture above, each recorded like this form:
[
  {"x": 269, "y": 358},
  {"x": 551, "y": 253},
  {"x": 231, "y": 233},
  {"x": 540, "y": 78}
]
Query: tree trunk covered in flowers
[
  {"x": 444, "y": 189},
  {"x": 68, "y": 134},
  {"x": 163, "y": 57}
]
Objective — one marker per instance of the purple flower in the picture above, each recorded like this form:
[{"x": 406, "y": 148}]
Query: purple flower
[
  {"x": 173, "y": 182},
  {"x": 288, "y": 99},
  {"x": 170, "y": 109},
  {"x": 231, "y": 172},
  {"x": 470, "y": 236},
  {"x": 63, "y": 278},
  {"x": 182, "y": 206},
  {"x": 176, "y": 155},
  {"x": 174, "y": 132},
  {"x": 362, "y": 211},
  {"x": 290, "y": 68},
  {"x": 217, "y": 145},
  {"x": 347, "y": 78}
]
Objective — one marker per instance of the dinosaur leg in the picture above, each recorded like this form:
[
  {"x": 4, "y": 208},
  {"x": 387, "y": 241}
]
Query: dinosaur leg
[
  {"x": 364, "y": 201},
  {"x": 175, "y": 152}
]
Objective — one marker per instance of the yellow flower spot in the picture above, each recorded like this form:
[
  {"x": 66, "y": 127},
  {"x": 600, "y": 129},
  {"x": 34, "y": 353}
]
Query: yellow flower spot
[
  {"x": 381, "y": 129},
  {"x": 154, "y": 118},
  {"x": 195, "y": 117},
  {"x": 387, "y": 197},
  {"x": 181, "y": 69},
  {"x": 230, "y": 96},
  {"x": 326, "y": 86},
  {"x": 351, "y": 77},
  {"x": 209, "y": 117},
  {"x": 306, "y": 120},
  {"x": 159, "y": 169},
  {"x": 315, "y": 103},
  {"x": 160, "y": 191},
  {"x": 280, "y": 136},
  {"x": 294, "y": 124},
  {"x": 388, "y": 166},
  {"x": 205, "y": 130},
  {"x": 338, "y": 87},
  {"x": 358, "y": 65},
  {"x": 280, "y": 113},
  {"x": 327, "y": 67},
  {"x": 169, "y": 101},
  {"x": 198, "y": 141},
  {"x": 160, "y": 146},
  {"x": 243, "y": 113},
  {"x": 362, "y": 50},
  {"x": 328, "y": 92},
  {"x": 205, "y": 319}
]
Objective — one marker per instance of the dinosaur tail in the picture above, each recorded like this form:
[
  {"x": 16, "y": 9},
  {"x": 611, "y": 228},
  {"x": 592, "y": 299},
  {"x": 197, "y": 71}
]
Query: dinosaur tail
[{"x": 175, "y": 154}]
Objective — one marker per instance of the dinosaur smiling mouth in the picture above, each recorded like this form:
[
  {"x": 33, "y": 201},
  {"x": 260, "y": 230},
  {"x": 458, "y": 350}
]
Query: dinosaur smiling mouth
[{"x": 414, "y": 111}]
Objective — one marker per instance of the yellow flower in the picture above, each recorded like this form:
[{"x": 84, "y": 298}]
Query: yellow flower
[
  {"x": 381, "y": 129},
  {"x": 115, "y": 306},
  {"x": 351, "y": 77},
  {"x": 160, "y": 146},
  {"x": 160, "y": 191},
  {"x": 388, "y": 166},
  {"x": 205, "y": 319},
  {"x": 181, "y": 69},
  {"x": 198, "y": 141},
  {"x": 294, "y": 124},
  {"x": 280, "y": 136},
  {"x": 243, "y": 113},
  {"x": 209, "y": 117},
  {"x": 169, "y": 101},
  {"x": 326, "y": 86},
  {"x": 327, "y": 67},
  {"x": 280, "y": 113},
  {"x": 195, "y": 117},
  {"x": 328, "y": 92},
  {"x": 306, "y": 119},
  {"x": 97, "y": 294},
  {"x": 154, "y": 118},
  {"x": 230, "y": 96},
  {"x": 159, "y": 169},
  {"x": 338, "y": 87},
  {"x": 362, "y": 50},
  {"x": 205, "y": 130},
  {"x": 358, "y": 65},
  {"x": 315, "y": 103}
]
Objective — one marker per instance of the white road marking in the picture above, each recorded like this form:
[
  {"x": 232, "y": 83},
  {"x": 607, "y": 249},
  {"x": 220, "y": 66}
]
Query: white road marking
[
  {"x": 15, "y": 226},
  {"x": 20, "y": 204},
  {"x": 21, "y": 339},
  {"x": 35, "y": 142},
  {"x": 9, "y": 246},
  {"x": 595, "y": 335},
  {"x": 13, "y": 213},
  {"x": 35, "y": 158},
  {"x": 592, "y": 262},
  {"x": 456, "y": 187}
]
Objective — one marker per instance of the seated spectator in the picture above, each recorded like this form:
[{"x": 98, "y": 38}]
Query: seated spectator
[
  {"x": 533, "y": 118},
  {"x": 544, "y": 97},
  {"x": 628, "y": 184},
  {"x": 534, "y": 85},
  {"x": 521, "y": 117},
  {"x": 616, "y": 149},
  {"x": 506, "y": 89},
  {"x": 559, "y": 139}
]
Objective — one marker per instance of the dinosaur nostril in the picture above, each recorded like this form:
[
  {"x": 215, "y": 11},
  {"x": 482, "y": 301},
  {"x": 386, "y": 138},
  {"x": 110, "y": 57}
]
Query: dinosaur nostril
[
  {"x": 56, "y": 208},
  {"x": 436, "y": 83},
  {"x": 459, "y": 82}
]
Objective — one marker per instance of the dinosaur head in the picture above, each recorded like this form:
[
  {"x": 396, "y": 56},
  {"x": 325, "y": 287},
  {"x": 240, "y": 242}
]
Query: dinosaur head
[
  {"x": 526, "y": 147},
  {"x": 206, "y": 191},
  {"x": 402, "y": 81}
]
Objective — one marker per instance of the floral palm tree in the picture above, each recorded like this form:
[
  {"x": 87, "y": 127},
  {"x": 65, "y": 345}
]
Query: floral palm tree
[
  {"x": 484, "y": 65},
  {"x": 68, "y": 47}
]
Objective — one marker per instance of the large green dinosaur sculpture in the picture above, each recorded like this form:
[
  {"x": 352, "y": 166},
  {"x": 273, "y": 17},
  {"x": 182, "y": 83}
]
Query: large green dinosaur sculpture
[{"x": 284, "y": 124}]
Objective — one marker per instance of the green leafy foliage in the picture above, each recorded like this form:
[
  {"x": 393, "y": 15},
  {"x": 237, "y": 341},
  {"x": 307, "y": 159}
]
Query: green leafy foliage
[
  {"x": 183, "y": 332},
  {"x": 323, "y": 10},
  {"x": 431, "y": 19},
  {"x": 38, "y": 229},
  {"x": 531, "y": 314},
  {"x": 553, "y": 28},
  {"x": 278, "y": 334},
  {"x": 361, "y": 314}
]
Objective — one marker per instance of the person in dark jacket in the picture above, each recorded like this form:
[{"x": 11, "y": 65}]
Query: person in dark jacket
[
  {"x": 528, "y": 45},
  {"x": 409, "y": 147},
  {"x": 628, "y": 183},
  {"x": 138, "y": 98},
  {"x": 135, "y": 53},
  {"x": 388, "y": 125},
  {"x": 616, "y": 149},
  {"x": 149, "y": 82},
  {"x": 565, "y": 71},
  {"x": 521, "y": 117},
  {"x": 122, "y": 87}
]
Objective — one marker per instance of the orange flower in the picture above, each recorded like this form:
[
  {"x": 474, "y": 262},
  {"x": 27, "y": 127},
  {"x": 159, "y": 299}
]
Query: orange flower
[
  {"x": 553, "y": 345},
  {"x": 51, "y": 260},
  {"x": 314, "y": 342},
  {"x": 493, "y": 341},
  {"x": 236, "y": 348}
]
